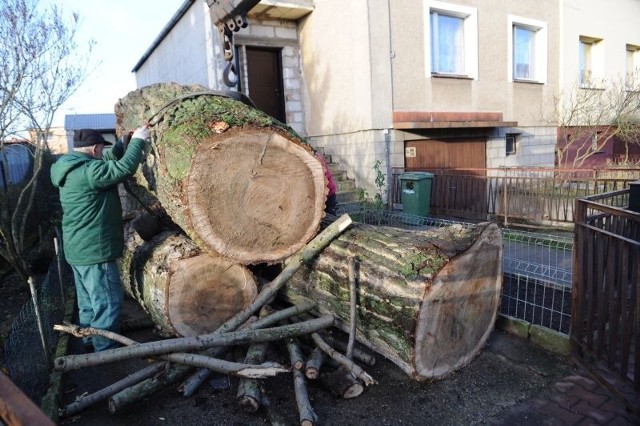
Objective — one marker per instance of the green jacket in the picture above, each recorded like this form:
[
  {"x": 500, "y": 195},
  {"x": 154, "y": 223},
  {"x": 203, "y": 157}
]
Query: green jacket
[{"x": 92, "y": 229}]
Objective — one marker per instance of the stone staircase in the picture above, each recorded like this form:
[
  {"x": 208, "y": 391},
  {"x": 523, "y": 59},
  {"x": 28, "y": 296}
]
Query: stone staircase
[{"x": 346, "y": 191}]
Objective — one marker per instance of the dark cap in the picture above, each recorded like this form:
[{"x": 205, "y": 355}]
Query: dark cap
[{"x": 88, "y": 137}]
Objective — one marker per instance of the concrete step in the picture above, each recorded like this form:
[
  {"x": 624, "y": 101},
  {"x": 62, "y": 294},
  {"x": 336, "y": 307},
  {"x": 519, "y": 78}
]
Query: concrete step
[
  {"x": 348, "y": 197},
  {"x": 346, "y": 190},
  {"x": 345, "y": 185},
  {"x": 334, "y": 168}
]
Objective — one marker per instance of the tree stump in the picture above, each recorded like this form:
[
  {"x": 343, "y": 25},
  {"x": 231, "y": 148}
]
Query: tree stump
[
  {"x": 238, "y": 182},
  {"x": 427, "y": 300},
  {"x": 186, "y": 291}
]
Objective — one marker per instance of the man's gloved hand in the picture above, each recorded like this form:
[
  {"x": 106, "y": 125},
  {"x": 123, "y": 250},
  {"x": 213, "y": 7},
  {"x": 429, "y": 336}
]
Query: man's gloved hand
[{"x": 141, "y": 133}]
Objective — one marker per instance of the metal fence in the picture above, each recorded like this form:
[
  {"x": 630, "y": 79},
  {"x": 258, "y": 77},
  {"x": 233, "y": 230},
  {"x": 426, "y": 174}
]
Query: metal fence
[
  {"x": 31, "y": 345},
  {"x": 542, "y": 195},
  {"x": 606, "y": 314},
  {"x": 537, "y": 266}
]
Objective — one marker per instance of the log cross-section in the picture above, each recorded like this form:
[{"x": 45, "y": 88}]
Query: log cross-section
[{"x": 259, "y": 192}]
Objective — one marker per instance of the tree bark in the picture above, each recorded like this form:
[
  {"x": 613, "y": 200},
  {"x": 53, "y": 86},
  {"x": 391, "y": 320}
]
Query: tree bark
[
  {"x": 237, "y": 181},
  {"x": 185, "y": 291},
  {"x": 427, "y": 300},
  {"x": 342, "y": 383}
]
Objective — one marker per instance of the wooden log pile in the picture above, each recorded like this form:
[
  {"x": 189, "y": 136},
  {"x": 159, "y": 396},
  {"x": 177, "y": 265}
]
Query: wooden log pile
[{"x": 226, "y": 193}]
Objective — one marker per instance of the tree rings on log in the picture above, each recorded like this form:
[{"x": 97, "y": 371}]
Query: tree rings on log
[
  {"x": 186, "y": 292},
  {"x": 254, "y": 196},
  {"x": 206, "y": 291},
  {"x": 426, "y": 300}
]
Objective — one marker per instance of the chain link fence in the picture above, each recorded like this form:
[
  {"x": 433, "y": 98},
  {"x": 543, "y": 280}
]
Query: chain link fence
[
  {"x": 31, "y": 343},
  {"x": 537, "y": 266}
]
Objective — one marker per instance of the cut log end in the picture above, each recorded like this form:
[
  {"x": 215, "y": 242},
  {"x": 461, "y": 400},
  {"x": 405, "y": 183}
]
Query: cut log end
[
  {"x": 206, "y": 291},
  {"x": 265, "y": 192},
  {"x": 248, "y": 404},
  {"x": 459, "y": 310},
  {"x": 342, "y": 384}
]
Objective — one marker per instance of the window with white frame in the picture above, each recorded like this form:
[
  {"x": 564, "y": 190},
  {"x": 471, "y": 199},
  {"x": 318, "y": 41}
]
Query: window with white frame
[
  {"x": 590, "y": 71},
  {"x": 528, "y": 46},
  {"x": 452, "y": 40},
  {"x": 632, "y": 78}
]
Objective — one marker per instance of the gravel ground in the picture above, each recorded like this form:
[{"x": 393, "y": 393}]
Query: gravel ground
[{"x": 506, "y": 373}]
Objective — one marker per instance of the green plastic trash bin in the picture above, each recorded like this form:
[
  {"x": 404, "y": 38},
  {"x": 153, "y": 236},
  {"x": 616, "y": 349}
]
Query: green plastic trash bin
[{"x": 416, "y": 192}]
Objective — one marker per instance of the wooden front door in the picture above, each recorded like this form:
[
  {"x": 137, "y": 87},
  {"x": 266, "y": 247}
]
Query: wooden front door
[
  {"x": 265, "y": 81},
  {"x": 459, "y": 185}
]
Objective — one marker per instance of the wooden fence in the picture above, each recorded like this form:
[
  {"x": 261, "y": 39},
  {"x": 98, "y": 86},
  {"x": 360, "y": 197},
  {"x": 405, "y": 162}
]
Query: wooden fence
[
  {"x": 540, "y": 195},
  {"x": 606, "y": 284}
]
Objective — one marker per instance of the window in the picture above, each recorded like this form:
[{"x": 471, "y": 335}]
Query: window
[
  {"x": 590, "y": 69},
  {"x": 452, "y": 40},
  {"x": 528, "y": 46},
  {"x": 632, "y": 79},
  {"x": 510, "y": 143}
]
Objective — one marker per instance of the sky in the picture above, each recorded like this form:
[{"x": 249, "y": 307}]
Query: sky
[{"x": 122, "y": 31}]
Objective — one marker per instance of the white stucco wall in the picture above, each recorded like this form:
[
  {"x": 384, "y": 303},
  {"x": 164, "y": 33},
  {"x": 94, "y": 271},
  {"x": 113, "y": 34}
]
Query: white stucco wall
[
  {"x": 616, "y": 22},
  {"x": 347, "y": 85},
  {"x": 187, "y": 54}
]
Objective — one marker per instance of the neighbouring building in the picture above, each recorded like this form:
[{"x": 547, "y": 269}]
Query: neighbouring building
[
  {"x": 416, "y": 84},
  {"x": 104, "y": 123}
]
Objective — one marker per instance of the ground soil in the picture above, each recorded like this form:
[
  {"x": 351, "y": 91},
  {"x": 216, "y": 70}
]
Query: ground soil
[
  {"x": 511, "y": 381},
  {"x": 491, "y": 389}
]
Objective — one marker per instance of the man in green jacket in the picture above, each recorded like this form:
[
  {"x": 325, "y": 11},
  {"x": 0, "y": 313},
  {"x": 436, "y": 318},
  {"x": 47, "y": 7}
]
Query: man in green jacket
[{"x": 92, "y": 229}]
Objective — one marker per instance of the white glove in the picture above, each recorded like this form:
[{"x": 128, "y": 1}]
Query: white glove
[{"x": 141, "y": 133}]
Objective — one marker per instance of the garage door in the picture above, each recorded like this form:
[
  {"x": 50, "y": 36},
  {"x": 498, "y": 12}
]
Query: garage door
[
  {"x": 459, "y": 186},
  {"x": 446, "y": 154}
]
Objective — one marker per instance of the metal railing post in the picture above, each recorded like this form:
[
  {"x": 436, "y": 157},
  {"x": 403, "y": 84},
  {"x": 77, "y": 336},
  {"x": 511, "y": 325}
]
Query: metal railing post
[{"x": 36, "y": 307}]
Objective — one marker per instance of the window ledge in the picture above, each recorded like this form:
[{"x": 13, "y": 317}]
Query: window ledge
[
  {"x": 517, "y": 80},
  {"x": 453, "y": 76}
]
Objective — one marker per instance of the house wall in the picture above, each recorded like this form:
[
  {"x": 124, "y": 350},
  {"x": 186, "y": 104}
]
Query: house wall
[
  {"x": 347, "y": 85},
  {"x": 381, "y": 67},
  {"x": 616, "y": 22},
  {"x": 58, "y": 141},
  {"x": 530, "y": 104},
  {"x": 190, "y": 53}
]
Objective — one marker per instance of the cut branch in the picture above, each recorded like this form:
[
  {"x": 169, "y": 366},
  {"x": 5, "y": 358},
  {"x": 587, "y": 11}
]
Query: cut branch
[
  {"x": 85, "y": 401},
  {"x": 349, "y": 365},
  {"x": 191, "y": 384},
  {"x": 342, "y": 383},
  {"x": 72, "y": 362},
  {"x": 307, "y": 415},
  {"x": 194, "y": 360}
]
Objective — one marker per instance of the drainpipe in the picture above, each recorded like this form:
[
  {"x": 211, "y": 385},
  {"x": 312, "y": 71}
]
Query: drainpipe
[{"x": 387, "y": 155}]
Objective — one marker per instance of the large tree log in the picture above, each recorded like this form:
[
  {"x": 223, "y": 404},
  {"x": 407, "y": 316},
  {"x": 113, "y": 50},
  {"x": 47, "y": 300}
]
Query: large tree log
[
  {"x": 185, "y": 291},
  {"x": 237, "y": 181},
  {"x": 427, "y": 300}
]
